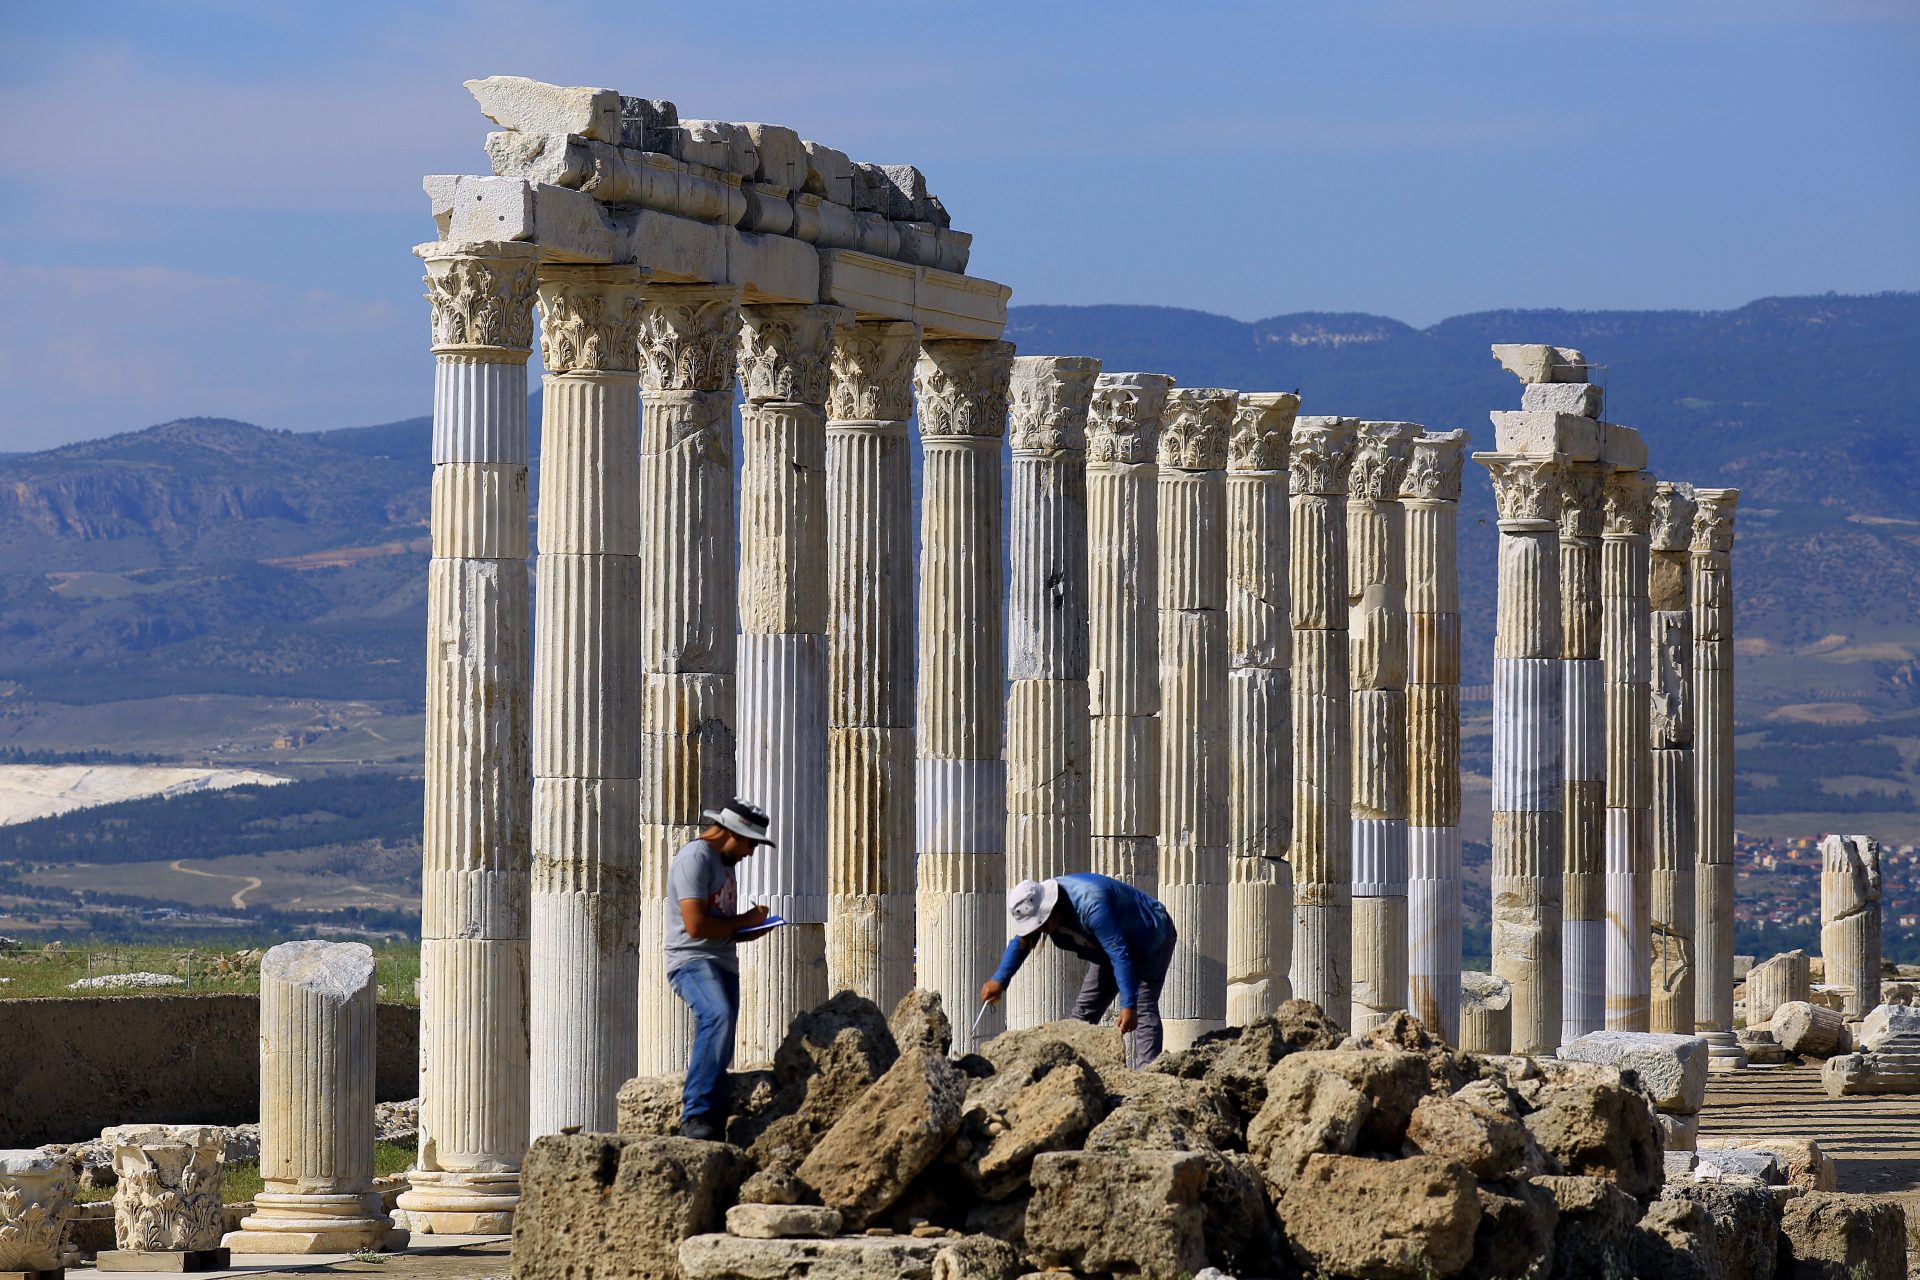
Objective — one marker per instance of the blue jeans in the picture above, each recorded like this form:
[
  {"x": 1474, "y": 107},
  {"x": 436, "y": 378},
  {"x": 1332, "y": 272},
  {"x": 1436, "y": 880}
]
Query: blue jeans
[{"x": 712, "y": 991}]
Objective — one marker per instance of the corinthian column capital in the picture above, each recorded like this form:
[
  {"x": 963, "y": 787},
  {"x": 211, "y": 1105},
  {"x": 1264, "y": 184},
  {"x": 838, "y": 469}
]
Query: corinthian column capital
[
  {"x": 1381, "y": 452},
  {"x": 1434, "y": 465},
  {"x": 786, "y": 351},
  {"x": 872, "y": 372},
  {"x": 590, "y": 318},
  {"x": 1048, "y": 398},
  {"x": 1582, "y": 497},
  {"x": 687, "y": 337},
  {"x": 1123, "y": 422},
  {"x": 482, "y": 297},
  {"x": 1262, "y": 425},
  {"x": 1320, "y": 455},
  {"x": 1193, "y": 434},
  {"x": 1629, "y": 501},
  {"x": 1670, "y": 518},
  {"x": 1713, "y": 520},
  {"x": 961, "y": 384},
  {"x": 1527, "y": 487}
]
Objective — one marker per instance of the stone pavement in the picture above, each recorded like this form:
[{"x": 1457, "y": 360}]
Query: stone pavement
[{"x": 440, "y": 1258}]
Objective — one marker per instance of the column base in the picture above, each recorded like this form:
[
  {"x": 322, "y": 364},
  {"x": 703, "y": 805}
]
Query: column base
[
  {"x": 1180, "y": 1033},
  {"x": 175, "y": 1260},
  {"x": 1723, "y": 1051},
  {"x": 443, "y": 1203},
  {"x": 314, "y": 1224}
]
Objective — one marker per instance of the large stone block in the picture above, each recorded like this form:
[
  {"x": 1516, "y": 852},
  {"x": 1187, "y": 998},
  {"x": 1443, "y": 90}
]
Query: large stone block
[
  {"x": 529, "y": 106},
  {"x": 724, "y": 1257},
  {"x": 1885, "y": 1022},
  {"x": 1131, "y": 1213},
  {"x": 1801, "y": 1160},
  {"x": 601, "y": 1206},
  {"x": 1672, "y": 1068},
  {"x": 1351, "y": 1216},
  {"x": 1537, "y": 362},
  {"x": 1477, "y": 1127},
  {"x": 1046, "y": 1102},
  {"x": 1824, "y": 1236},
  {"x": 1338, "y": 1102},
  {"x": 1810, "y": 1030},
  {"x": 1675, "y": 1240},
  {"x": 1594, "y": 1127},
  {"x": 892, "y": 1132}
]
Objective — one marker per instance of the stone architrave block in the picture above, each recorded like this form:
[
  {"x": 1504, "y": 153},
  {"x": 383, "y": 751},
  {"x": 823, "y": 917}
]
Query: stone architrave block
[
  {"x": 829, "y": 173},
  {"x": 1672, "y": 1068},
  {"x": 1536, "y": 362},
  {"x": 1582, "y": 398},
  {"x": 1575, "y": 438},
  {"x": 1622, "y": 448},
  {"x": 1887, "y": 1021},
  {"x": 782, "y": 156},
  {"x": 530, "y": 106},
  {"x": 719, "y": 144}
]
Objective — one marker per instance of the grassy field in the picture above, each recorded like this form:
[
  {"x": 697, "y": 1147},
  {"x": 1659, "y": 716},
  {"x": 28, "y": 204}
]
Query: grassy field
[
  {"x": 329, "y": 878},
  {"x": 27, "y": 973}
]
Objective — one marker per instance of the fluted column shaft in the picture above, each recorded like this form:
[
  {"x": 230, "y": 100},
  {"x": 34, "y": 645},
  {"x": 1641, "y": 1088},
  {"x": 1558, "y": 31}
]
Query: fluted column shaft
[
  {"x": 1192, "y": 596},
  {"x": 1319, "y": 457},
  {"x": 870, "y": 662},
  {"x": 1713, "y": 771},
  {"x": 1626, "y": 648},
  {"x": 1670, "y": 742},
  {"x": 785, "y": 361},
  {"x": 1430, "y": 493},
  {"x": 1377, "y": 671},
  {"x": 1850, "y": 923},
  {"x": 688, "y": 615},
  {"x": 1259, "y": 707},
  {"x": 475, "y": 844},
  {"x": 1583, "y": 755},
  {"x": 1528, "y": 867},
  {"x": 1048, "y": 743},
  {"x": 960, "y": 764},
  {"x": 586, "y": 742},
  {"x": 1123, "y": 633}
]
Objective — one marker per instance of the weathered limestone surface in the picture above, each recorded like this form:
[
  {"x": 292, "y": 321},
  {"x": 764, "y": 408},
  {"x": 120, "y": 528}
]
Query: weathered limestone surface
[
  {"x": 1626, "y": 656},
  {"x": 687, "y": 623},
  {"x": 1583, "y": 763},
  {"x": 870, "y": 656},
  {"x": 1123, "y": 635},
  {"x": 479, "y": 789},
  {"x": 961, "y": 773},
  {"x": 1259, "y": 698},
  {"x": 1670, "y": 730},
  {"x": 1786, "y": 977},
  {"x": 316, "y": 1104},
  {"x": 1377, "y": 675},
  {"x": 1430, "y": 493},
  {"x": 166, "y": 1197},
  {"x": 1193, "y": 706},
  {"x": 1486, "y": 1013},
  {"x": 1810, "y": 1030},
  {"x": 1713, "y": 770},
  {"x": 1049, "y": 746},
  {"x": 1850, "y": 918},
  {"x": 1528, "y": 867},
  {"x": 1673, "y": 1069},
  {"x": 1320, "y": 455},
  {"x": 784, "y": 369},
  {"x": 36, "y": 1203}
]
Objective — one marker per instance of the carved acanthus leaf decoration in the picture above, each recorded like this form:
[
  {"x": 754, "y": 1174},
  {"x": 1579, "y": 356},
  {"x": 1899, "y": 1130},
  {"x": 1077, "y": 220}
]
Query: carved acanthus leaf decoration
[
  {"x": 1123, "y": 422},
  {"x": 1047, "y": 402},
  {"x": 687, "y": 339},
  {"x": 1193, "y": 434},
  {"x": 590, "y": 325},
  {"x": 1381, "y": 452},
  {"x": 872, "y": 373},
  {"x": 961, "y": 387},
  {"x": 1629, "y": 502},
  {"x": 786, "y": 352},
  {"x": 31, "y": 1230},
  {"x": 1526, "y": 487},
  {"x": 1262, "y": 426},
  {"x": 1434, "y": 469},
  {"x": 1582, "y": 495},
  {"x": 481, "y": 301},
  {"x": 1320, "y": 455},
  {"x": 1670, "y": 521},
  {"x": 1713, "y": 519}
]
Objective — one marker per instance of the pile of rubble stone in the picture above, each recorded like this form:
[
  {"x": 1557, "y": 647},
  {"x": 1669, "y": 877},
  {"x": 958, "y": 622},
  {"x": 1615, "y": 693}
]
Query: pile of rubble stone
[{"x": 1279, "y": 1149}]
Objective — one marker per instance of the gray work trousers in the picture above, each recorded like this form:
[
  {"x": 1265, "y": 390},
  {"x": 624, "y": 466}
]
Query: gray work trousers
[{"x": 1098, "y": 989}]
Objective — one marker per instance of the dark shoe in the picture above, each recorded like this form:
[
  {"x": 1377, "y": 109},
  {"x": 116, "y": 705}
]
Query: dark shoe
[{"x": 701, "y": 1128}]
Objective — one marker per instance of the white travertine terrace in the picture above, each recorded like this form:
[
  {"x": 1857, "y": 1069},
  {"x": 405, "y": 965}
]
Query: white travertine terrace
[{"x": 1670, "y": 735}]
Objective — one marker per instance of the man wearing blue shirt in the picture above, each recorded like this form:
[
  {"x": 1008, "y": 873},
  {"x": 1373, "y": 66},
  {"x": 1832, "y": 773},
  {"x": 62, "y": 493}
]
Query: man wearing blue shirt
[{"x": 1126, "y": 935}]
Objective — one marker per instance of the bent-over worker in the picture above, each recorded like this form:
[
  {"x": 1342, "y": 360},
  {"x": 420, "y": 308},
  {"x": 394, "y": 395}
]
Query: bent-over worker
[{"x": 1125, "y": 934}]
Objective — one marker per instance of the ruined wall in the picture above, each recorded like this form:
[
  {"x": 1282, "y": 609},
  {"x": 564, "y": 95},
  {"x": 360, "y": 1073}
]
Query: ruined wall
[{"x": 71, "y": 1067}]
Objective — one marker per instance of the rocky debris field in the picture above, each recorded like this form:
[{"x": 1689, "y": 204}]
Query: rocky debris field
[{"x": 1282, "y": 1149}]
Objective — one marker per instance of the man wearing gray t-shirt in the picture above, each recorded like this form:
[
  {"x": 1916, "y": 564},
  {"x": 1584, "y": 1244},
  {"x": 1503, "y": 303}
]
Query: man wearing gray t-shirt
[{"x": 701, "y": 963}]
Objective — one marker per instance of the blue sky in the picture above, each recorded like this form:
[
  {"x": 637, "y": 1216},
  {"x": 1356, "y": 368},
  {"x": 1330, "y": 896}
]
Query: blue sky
[{"x": 206, "y": 208}]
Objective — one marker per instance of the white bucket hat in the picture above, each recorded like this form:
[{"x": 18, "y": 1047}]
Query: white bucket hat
[
  {"x": 1029, "y": 903},
  {"x": 743, "y": 818}
]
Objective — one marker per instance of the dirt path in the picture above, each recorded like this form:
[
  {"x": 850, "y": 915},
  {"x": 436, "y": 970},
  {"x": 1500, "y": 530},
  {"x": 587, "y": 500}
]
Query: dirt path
[{"x": 239, "y": 899}]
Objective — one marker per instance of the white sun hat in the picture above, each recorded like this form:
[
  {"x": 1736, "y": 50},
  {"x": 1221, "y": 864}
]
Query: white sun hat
[
  {"x": 1029, "y": 903},
  {"x": 743, "y": 818}
]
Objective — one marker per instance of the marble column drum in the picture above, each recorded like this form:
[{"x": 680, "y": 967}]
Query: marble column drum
[
  {"x": 1850, "y": 921},
  {"x": 476, "y": 838},
  {"x": 960, "y": 766},
  {"x": 1123, "y": 630},
  {"x": 688, "y": 616},
  {"x": 785, "y": 364},
  {"x": 1193, "y": 707},
  {"x": 1528, "y": 867},
  {"x": 1259, "y": 709},
  {"x": 870, "y": 658},
  {"x": 1048, "y": 742},
  {"x": 1670, "y": 751},
  {"x": 1377, "y": 675},
  {"x": 1319, "y": 456},
  {"x": 1626, "y": 652},
  {"x": 586, "y": 742},
  {"x": 1430, "y": 493},
  {"x": 1713, "y": 773},
  {"x": 1583, "y": 755},
  {"x": 317, "y": 1050}
]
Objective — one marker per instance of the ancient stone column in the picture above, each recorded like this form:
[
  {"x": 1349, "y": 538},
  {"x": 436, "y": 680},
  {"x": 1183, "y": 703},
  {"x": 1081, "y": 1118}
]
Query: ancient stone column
[
  {"x": 1626, "y": 652},
  {"x": 477, "y": 834},
  {"x": 1785, "y": 978},
  {"x": 960, "y": 766},
  {"x": 1123, "y": 678},
  {"x": 1713, "y": 772},
  {"x": 167, "y": 1194},
  {"x": 1583, "y": 755},
  {"x": 785, "y": 362},
  {"x": 1193, "y": 706},
  {"x": 1528, "y": 869},
  {"x": 36, "y": 1204},
  {"x": 1377, "y": 670},
  {"x": 1430, "y": 493},
  {"x": 1486, "y": 1013},
  {"x": 1048, "y": 746},
  {"x": 1850, "y": 919},
  {"x": 1319, "y": 457},
  {"x": 1670, "y": 743},
  {"x": 586, "y": 712},
  {"x": 688, "y": 618},
  {"x": 317, "y": 1050},
  {"x": 1259, "y": 708},
  {"x": 870, "y": 656}
]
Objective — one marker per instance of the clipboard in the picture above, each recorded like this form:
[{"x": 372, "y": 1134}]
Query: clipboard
[{"x": 764, "y": 927}]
